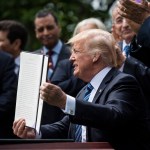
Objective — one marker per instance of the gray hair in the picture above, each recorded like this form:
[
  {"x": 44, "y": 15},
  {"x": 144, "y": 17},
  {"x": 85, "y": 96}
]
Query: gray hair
[{"x": 97, "y": 22}]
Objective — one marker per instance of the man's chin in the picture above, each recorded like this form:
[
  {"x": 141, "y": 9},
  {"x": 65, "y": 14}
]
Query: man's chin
[{"x": 75, "y": 74}]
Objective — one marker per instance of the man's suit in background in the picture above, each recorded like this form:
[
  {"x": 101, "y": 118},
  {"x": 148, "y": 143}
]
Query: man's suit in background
[
  {"x": 115, "y": 115},
  {"x": 8, "y": 90},
  {"x": 142, "y": 74},
  {"x": 140, "y": 46},
  {"x": 64, "y": 78},
  {"x": 52, "y": 114}
]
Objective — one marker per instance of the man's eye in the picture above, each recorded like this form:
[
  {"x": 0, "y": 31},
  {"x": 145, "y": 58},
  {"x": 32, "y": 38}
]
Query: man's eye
[
  {"x": 119, "y": 21},
  {"x": 40, "y": 29}
]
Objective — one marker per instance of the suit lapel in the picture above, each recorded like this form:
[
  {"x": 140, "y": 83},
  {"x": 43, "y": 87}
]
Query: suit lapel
[
  {"x": 81, "y": 94},
  {"x": 104, "y": 83}
]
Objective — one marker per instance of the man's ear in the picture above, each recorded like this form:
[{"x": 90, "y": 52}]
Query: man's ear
[
  {"x": 17, "y": 44},
  {"x": 96, "y": 56}
]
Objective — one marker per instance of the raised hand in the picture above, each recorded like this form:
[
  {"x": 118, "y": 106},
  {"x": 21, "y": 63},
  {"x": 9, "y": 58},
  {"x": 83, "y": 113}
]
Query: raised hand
[
  {"x": 133, "y": 10},
  {"x": 53, "y": 95}
]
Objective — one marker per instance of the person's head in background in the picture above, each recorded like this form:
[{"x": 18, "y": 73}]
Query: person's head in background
[
  {"x": 120, "y": 27},
  {"x": 13, "y": 37},
  {"x": 135, "y": 12},
  {"x": 47, "y": 28},
  {"x": 89, "y": 23}
]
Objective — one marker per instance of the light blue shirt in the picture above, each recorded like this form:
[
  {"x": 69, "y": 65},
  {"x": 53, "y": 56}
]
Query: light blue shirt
[
  {"x": 17, "y": 64},
  {"x": 56, "y": 51}
]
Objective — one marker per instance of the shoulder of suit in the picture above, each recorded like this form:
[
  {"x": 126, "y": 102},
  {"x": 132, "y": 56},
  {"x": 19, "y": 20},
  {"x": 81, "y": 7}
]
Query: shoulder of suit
[{"x": 4, "y": 56}]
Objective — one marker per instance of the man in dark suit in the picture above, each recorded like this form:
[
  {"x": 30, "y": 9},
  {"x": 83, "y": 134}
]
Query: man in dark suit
[
  {"x": 8, "y": 90},
  {"x": 13, "y": 37},
  {"x": 115, "y": 111},
  {"x": 47, "y": 31},
  {"x": 142, "y": 73}
]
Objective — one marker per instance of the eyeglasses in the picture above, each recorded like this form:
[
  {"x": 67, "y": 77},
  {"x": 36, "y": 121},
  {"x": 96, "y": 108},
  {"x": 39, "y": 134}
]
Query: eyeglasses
[{"x": 41, "y": 29}]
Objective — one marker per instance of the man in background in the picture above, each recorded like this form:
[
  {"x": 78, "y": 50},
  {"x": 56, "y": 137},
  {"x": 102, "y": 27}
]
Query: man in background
[
  {"x": 138, "y": 16},
  {"x": 8, "y": 90},
  {"x": 13, "y": 39},
  {"x": 47, "y": 30},
  {"x": 121, "y": 30}
]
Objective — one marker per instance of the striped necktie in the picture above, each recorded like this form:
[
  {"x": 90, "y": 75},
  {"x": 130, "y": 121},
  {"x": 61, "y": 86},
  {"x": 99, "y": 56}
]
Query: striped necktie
[
  {"x": 126, "y": 50},
  {"x": 78, "y": 132}
]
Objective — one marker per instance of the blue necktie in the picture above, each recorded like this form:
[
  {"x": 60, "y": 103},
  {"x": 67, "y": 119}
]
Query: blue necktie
[
  {"x": 126, "y": 50},
  {"x": 78, "y": 131}
]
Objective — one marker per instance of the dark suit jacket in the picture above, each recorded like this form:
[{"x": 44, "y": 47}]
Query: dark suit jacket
[
  {"x": 116, "y": 115},
  {"x": 8, "y": 90},
  {"x": 52, "y": 114},
  {"x": 142, "y": 74},
  {"x": 64, "y": 78},
  {"x": 140, "y": 45}
]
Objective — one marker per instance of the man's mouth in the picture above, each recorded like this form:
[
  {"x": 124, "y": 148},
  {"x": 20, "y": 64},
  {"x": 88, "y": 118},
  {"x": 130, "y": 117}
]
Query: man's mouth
[{"x": 75, "y": 66}]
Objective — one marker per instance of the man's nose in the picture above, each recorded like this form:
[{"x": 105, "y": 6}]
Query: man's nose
[
  {"x": 124, "y": 23},
  {"x": 71, "y": 57}
]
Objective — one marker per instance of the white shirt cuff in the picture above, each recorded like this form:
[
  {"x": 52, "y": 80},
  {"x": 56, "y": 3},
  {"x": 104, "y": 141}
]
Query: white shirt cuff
[{"x": 70, "y": 105}]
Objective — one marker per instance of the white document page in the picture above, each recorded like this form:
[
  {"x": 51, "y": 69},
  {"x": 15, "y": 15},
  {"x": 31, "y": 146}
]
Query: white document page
[{"x": 28, "y": 87}]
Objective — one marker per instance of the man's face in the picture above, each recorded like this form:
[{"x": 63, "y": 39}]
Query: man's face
[
  {"x": 127, "y": 32},
  {"x": 47, "y": 31},
  {"x": 82, "y": 62},
  {"x": 122, "y": 27},
  {"x": 5, "y": 44}
]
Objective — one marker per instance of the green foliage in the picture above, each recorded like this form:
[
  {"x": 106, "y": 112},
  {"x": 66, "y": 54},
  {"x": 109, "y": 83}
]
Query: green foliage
[{"x": 69, "y": 13}]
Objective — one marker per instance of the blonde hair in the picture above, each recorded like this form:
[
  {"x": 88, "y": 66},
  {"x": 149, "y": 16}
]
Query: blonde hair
[
  {"x": 97, "y": 40},
  {"x": 94, "y": 21}
]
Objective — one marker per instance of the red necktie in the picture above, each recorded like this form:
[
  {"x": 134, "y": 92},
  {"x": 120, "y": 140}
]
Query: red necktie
[{"x": 50, "y": 63}]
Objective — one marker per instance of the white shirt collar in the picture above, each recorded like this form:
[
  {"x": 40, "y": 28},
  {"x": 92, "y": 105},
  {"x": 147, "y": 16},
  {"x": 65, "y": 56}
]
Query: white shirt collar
[
  {"x": 124, "y": 44},
  {"x": 98, "y": 78},
  {"x": 56, "y": 49},
  {"x": 17, "y": 60}
]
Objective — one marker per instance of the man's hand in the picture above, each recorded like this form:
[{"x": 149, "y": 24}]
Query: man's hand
[
  {"x": 133, "y": 10},
  {"x": 53, "y": 95},
  {"x": 22, "y": 131}
]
